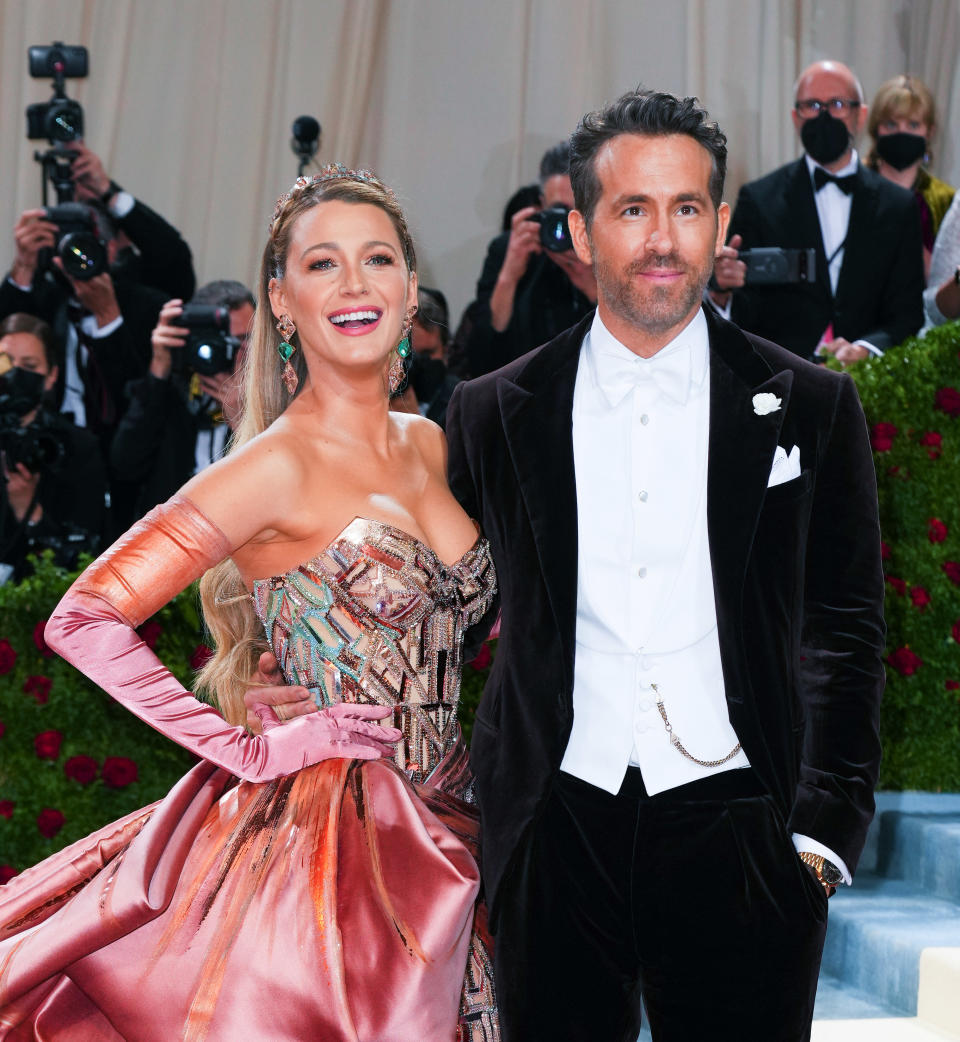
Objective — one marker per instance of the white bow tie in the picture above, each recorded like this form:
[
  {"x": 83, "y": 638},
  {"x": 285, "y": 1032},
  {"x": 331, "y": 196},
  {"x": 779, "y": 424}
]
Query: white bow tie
[{"x": 618, "y": 376}]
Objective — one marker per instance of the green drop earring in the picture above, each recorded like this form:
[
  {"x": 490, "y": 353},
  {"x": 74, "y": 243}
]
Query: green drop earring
[
  {"x": 286, "y": 350},
  {"x": 397, "y": 372}
]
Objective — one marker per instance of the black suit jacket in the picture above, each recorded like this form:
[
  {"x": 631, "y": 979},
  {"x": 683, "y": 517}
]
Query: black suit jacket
[
  {"x": 165, "y": 261},
  {"x": 880, "y": 289},
  {"x": 796, "y": 569}
]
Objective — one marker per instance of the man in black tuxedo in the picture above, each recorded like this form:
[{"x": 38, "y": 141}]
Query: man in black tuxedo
[
  {"x": 867, "y": 295},
  {"x": 676, "y": 751}
]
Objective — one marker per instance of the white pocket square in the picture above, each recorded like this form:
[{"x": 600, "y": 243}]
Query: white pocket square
[{"x": 785, "y": 468}]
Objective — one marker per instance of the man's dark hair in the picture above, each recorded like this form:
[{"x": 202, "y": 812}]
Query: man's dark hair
[
  {"x": 647, "y": 112},
  {"x": 555, "y": 161},
  {"x": 224, "y": 293}
]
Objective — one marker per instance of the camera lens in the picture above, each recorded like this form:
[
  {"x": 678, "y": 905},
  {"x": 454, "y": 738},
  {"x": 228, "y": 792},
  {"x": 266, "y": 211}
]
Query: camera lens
[
  {"x": 83, "y": 255},
  {"x": 555, "y": 229},
  {"x": 64, "y": 121}
]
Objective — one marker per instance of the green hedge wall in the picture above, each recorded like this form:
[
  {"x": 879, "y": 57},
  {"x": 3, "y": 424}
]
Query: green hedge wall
[{"x": 911, "y": 397}]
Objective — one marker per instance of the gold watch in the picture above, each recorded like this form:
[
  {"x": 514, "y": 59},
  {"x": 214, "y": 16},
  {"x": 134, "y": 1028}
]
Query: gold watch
[{"x": 828, "y": 875}]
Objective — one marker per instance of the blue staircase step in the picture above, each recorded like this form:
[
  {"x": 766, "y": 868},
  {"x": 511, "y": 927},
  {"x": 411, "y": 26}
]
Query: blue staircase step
[
  {"x": 839, "y": 1001},
  {"x": 877, "y": 930},
  {"x": 923, "y": 848}
]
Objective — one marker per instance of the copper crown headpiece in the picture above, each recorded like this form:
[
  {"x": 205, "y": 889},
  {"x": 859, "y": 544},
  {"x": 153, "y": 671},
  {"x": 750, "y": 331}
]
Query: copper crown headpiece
[{"x": 328, "y": 172}]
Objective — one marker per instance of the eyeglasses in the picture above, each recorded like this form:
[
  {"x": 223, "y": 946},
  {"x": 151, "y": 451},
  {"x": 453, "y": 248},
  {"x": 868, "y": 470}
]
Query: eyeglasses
[{"x": 835, "y": 106}]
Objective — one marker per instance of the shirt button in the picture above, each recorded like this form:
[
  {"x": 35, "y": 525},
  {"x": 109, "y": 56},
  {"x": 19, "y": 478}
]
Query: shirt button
[
  {"x": 644, "y": 419},
  {"x": 645, "y": 705},
  {"x": 643, "y": 496},
  {"x": 642, "y": 572}
]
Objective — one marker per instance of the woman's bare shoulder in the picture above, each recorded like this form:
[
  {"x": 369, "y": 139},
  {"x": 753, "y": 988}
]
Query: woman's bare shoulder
[
  {"x": 249, "y": 492},
  {"x": 427, "y": 438}
]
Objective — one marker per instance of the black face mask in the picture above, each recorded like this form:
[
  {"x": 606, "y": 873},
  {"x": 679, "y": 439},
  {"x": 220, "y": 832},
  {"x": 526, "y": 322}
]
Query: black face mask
[
  {"x": 21, "y": 391},
  {"x": 824, "y": 138},
  {"x": 901, "y": 150}
]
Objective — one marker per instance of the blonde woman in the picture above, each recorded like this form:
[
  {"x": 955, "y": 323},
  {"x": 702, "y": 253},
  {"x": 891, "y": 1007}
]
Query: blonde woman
[
  {"x": 318, "y": 880},
  {"x": 902, "y": 125}
]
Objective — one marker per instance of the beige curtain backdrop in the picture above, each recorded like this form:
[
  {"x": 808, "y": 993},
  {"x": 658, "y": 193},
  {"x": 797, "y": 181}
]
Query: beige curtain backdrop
[{"x": 189, "y": 102}]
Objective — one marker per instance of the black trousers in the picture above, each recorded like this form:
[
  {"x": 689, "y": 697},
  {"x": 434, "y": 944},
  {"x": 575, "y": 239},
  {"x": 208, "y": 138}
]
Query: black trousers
[{"x": 694, "y": 900}]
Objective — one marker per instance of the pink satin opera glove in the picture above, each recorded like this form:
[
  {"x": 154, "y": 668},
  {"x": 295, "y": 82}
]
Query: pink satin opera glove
[{"x": 94, "y": 628}]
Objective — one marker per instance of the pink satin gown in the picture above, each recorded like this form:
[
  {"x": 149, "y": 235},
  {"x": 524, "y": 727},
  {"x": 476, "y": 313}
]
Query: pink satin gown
[{"x": 337, "y": 903}]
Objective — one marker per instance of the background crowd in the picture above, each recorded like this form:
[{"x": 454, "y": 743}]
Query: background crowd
[{"x": 118, "y": 384}]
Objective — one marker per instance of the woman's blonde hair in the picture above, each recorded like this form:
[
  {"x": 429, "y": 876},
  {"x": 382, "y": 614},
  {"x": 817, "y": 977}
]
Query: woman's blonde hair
[
  {"x": 902, "y": 97},
  {"x": 236, "y": 631}
]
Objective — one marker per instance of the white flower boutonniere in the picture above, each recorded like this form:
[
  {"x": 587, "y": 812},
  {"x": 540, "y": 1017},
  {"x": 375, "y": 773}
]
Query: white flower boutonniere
[{"x": 765, "y": 403}]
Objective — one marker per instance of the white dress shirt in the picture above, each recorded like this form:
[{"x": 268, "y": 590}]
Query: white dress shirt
[{"x": 645, "y": 602}]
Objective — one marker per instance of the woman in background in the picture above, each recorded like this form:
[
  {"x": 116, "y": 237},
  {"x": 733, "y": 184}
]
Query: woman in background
[{"x": 901, "y": 125}]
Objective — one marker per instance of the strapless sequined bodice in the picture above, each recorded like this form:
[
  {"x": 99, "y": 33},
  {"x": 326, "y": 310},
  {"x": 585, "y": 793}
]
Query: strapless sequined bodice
[{"x": 377, "y": 617}]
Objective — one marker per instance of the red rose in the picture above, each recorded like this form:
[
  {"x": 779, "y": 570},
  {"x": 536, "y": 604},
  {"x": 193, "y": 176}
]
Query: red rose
[
  {"x": 6, "y": 809},
  {"x": 118, "y": 772},
  {"x": 150, "y": 633},
  {"x": 7, "y": 872},
  {"x": 50, "y": 822},
  {"x": 39, "y": 641},
  {"x": 952, "y": 685},
  {"x": 920, "y": 597},
  {"x": 904, "y": 661},
  {"x": 955, "y": 631},
  {"x": 885, "y": 552},
  {"x": 200, "y": 657},
  {"x": 934, "y": 442},
  {"x": 8, "y": 657},
  {"x": 483, "y": 658},
  {"x": 82, "y": 769},
  {"x": 899, "y": 586},
  {"x": 936, "y": 530},
  {"x": 947, "y": 400},
  {"x": 47, "y": 744},
  {"x": 3, "y": 728},
  {"x": 952, "y": 568},
  {"x": 39, "y": 687},
  {"x": 881, "y": 436}
]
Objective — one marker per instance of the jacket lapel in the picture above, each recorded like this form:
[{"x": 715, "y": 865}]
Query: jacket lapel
[
  {"x": 741, "y": 450},
  {"x": 861, "y": 236},
  {"x": 537, "y": 414}
]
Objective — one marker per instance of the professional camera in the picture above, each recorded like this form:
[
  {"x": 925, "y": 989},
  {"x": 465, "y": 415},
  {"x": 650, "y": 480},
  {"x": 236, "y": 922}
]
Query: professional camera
[
  {"x": 554, "y": 229},
  {"x": 82, "y": 251},
  {"x": 210, "y": 349},
  {"x": 59, "y": 120},
  {"x": 38, "y": 446},
  {"x": 775, "y": 265}
]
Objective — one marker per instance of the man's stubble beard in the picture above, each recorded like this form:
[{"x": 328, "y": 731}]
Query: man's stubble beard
[{"x": 661, "y": 309}]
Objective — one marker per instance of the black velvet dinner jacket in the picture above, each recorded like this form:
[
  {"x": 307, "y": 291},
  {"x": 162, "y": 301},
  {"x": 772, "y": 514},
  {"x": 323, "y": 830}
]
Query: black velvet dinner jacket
[
  {"x": 880, "y": 288},
  {"x": 796, "y": 570}
]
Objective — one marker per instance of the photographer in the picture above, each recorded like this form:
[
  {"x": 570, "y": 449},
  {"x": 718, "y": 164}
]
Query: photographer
[
  {"x": 104, "y": 321},
  {"x": 179, "y": 418},
  {"x": 527, "y": 293},
  {"x": 150, "y": 250},
  {"x": 430, "y": 381},
  {"x": 54, "y": 482}
]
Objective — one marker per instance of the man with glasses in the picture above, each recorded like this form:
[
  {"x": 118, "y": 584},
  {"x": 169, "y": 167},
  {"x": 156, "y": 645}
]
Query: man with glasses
[{"x": 866, "y": 295}]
